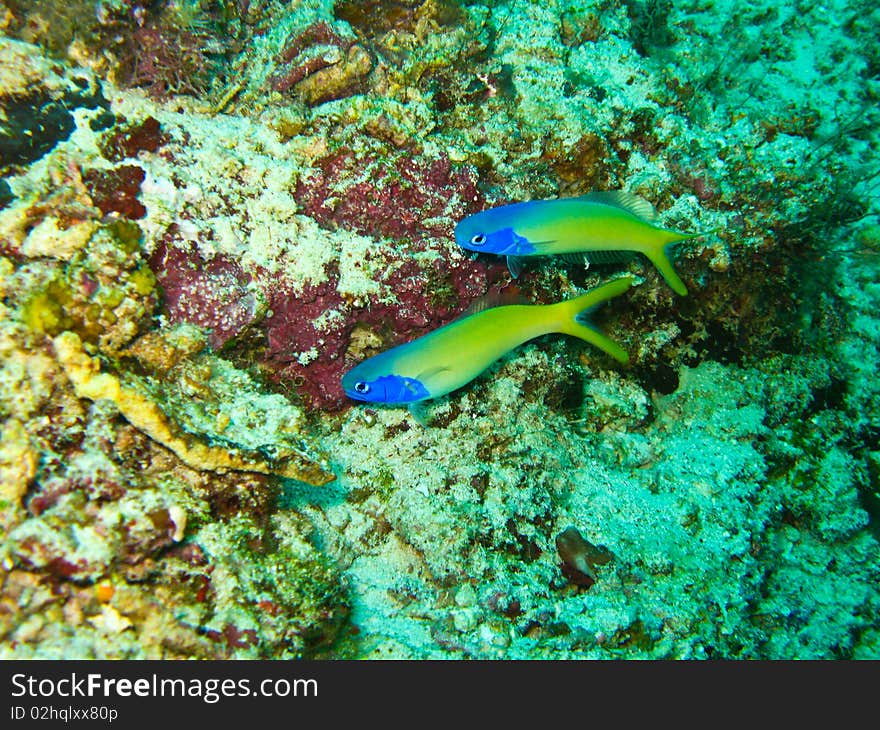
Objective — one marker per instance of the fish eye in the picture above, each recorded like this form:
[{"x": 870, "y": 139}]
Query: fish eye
[
  {"x": 362, "y": 387},
  {"x": 479, "y": 239}
]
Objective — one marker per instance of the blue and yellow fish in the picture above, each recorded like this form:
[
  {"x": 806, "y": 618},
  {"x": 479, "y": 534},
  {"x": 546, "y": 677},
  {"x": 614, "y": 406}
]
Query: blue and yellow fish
[
  {"x": 601, "y": 227},
  {"x": 453, "y": 355}
]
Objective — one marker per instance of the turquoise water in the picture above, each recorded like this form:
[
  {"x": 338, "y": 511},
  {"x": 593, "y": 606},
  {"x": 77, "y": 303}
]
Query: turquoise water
[{"x": 209, "y": 213}]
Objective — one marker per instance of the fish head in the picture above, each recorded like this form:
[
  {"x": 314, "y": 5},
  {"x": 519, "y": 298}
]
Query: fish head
[
  {"x": 361, "y": 384},
  {"x": 491, "y": 232}
]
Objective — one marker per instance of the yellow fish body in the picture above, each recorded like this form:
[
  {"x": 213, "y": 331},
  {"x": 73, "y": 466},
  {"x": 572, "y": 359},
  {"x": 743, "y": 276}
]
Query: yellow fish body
[
  {"x": 600, "y": 226},
  {"x": 453, "y": 355}
]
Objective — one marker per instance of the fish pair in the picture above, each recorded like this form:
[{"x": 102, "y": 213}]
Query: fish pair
[{"x": 599, "y": 227}]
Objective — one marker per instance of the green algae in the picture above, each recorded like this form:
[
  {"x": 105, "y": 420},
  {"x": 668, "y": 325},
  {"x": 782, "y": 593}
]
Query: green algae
[
  {"x": 44, "y": 311},
  {"x": 289, "y": 596},
  {"x": 99, "y": 293}
]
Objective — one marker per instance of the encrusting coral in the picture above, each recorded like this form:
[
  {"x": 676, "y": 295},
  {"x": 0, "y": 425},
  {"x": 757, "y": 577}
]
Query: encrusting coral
[{"x": 146, "y": 415}]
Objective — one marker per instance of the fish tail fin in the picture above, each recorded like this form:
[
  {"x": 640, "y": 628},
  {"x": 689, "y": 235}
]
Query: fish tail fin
[
  {"x": 659, "y": 256},
  {"x": 574, "y": 317}
]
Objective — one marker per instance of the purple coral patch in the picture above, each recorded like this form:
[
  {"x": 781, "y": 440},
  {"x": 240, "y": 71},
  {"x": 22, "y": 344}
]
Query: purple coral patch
[
  {"x": 116, "y": 190},
  {"x": 291, "y": 329},
  {"x": 401, "y": 197},
  {"x": 170, "y": 60},
  {"x": 306, "y": 52},
  {"x": 404, "y": 197},
  {"x": 213, "y": 294},
  {"x": 127, "y": 140}
]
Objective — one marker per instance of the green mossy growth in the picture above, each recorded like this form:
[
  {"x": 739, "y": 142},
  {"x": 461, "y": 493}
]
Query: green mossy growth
[
  {"x": 126, "y": 234},
  {"x": 44, "y": 311},
  {"x": 283, "y": 598},
  {"x": 143, "y": 280},
  {"x": 96, "y": 294}
]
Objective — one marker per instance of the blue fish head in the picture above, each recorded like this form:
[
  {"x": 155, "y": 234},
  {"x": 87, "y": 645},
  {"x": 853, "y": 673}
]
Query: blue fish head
[
  {"x": 359, "y": 384},
  {"x": 490, "y": 232}
]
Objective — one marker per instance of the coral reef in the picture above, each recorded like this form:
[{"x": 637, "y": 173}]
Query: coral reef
[
  {"x": 165, "y": 47},
  {"x": 114, "y": 547},
  {"x": 318, "y": 65},
  {"x": 143, "y": 413},
  {"x": 210, "y": 211}
]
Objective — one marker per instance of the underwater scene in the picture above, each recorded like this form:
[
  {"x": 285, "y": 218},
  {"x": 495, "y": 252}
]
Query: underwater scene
[{"x": 434, "y": 329}]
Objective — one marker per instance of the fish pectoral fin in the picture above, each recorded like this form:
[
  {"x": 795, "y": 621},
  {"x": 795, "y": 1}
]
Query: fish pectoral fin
[
  {"x": 431, "y": 372},
  {"x": 419, "y": 412},
  {"x": 539, "y": 246},
  {"x": 410, "y": 387},
  {"x": 515, "y": 266}
]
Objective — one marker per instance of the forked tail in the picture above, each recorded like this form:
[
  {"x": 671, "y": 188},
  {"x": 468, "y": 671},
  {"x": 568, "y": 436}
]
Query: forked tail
[
  {"x": 659, "y": 256},
  {"x": 574, "y": 317}
]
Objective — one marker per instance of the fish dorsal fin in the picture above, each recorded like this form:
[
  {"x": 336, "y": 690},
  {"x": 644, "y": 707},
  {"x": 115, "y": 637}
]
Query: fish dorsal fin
[
  {"x": 630, "y": 202},
  {"x": 494, "y": 299}
]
